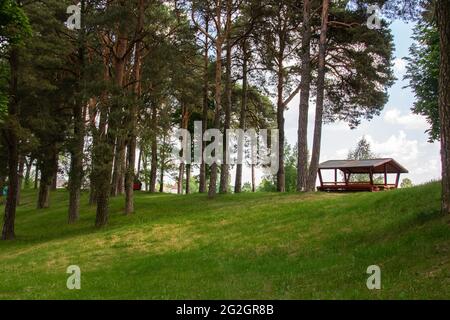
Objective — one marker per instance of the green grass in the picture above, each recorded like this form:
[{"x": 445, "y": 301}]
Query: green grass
[{"x": 248, "y": 246}]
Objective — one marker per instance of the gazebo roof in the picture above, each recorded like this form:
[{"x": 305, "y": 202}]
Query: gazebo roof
[{"x": 387, "y": 165}]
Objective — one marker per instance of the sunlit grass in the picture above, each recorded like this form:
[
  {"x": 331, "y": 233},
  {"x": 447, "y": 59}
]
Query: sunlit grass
[{"x": 248, "y": 246}]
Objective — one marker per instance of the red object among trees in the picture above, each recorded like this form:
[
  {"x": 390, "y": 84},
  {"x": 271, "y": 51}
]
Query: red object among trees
[
  {"x": 371, "y": 167},
  {"x": 137, "y": 186}
]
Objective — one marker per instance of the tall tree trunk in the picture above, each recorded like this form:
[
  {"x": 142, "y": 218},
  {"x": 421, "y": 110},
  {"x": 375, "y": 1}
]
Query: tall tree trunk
[
  {"x": 188, "y": 179},
  {"x": 102, "y": 167},
  {"x": 48, "y": 166},
  {"x": 105, "y": 148},
  {"x": 76, "y": 165},
  {"x": 202, "y": 177},
  {"x": 119, "y": 159},
  {"x": 184, "y": 125},
  {"x": 217, "y": 96},
  {"x": 77, "y": 148},
  {"x": 36, "y": 175},
  {"x": 161, "y": 176},
  {"x": 20, "y": 177},
  {"x": 305, "y": 85},
  {"x": 98, "y": 136},
  {"x": 242, "y": 120},
  {"x": 54, "y": 184},
  {"x": 315, "y": 158},
  {"x": 130, "y": 174},
  {"x": 138, "y": 172},
  {"x": 28, "y": 166},
  {"x": 443, "y": 17},
  {"x": 281, "y": 177},
  {"x": 122, "y": 171},
  {"x": 180, "y": 178},
  {"x": 161, "y": 181},
  {"x": 253, "y": 178},
  {"x": 154, "y": 152},
  {"x": 224, "y": 172},
  {"x": 145, "y": 167},
  {"x": 13, "y": 149},
  {"x": 154, "y": 167},
  {"x": 44, "y": 190}
]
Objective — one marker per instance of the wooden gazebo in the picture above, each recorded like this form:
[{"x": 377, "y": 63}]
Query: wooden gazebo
[{"x": 384, "y": 167}]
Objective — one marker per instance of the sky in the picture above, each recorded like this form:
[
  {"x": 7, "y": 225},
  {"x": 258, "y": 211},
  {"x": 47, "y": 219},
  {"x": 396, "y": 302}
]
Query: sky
[{"x": 397, "y": 133}]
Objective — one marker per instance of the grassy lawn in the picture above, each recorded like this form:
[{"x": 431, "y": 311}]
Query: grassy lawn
[{"x": 248, "y": 246}]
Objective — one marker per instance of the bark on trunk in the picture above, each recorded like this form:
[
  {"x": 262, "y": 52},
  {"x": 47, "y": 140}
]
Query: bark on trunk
[
  {"x": 98, "y": 136},
  {"x": 253, "y": 178},
  {"x": 153, "y": 169},
  {"x": 138, "y": 172},
  {"x": 102, "y": 168},
  {"x": 443, "y": 16},
  {"x": 130, "y": 174},
  {"x": 145, "y": 166},
  {"x": 36, "y": 175},
  {"x": 180, "y": 178},
  {"x": 77, "y": 148},
  {"x": 302, "y": 163},
  {"x": 13, "y": 150},
  {"x": 54, "y": 184},
  {"x": 76, "y": 166},
  {"x": 202, "y": 177},
  {"x": 154, "y": 150},
  {"x": 161, "y": 176},
  {"x": 104, "y": 150},
  {"x": 47, "y": 177},
  {"x": 218, "y": 98},
  {"x": 188, "y": 179},
  {"x": 119, "y": 160},
  {"x": 224, "y": 172},
  {"x": 242, "y": 120},
  {"x": 20, "y": 177},
  {"x": 315, "y": 158},
  {"x": 281, "y": 178},
  {"x": 184, "y": 125},
  {"x": 29, "y": 165},
  {"x": 44, "y": 195}
]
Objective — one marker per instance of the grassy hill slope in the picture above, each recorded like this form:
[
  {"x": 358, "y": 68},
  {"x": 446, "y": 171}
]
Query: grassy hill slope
[{"x": 248, "y": 246}]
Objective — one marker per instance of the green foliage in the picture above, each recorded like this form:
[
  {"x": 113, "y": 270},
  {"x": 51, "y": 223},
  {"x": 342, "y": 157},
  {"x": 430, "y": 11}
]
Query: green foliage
[
  {"x": 406, "y": 183},
  {"x": 362, "y": 151},
  {"x": 14, "y": 24},
  {"x": 247, "y": 187},
  {"x": 4, "y": 83},
  {"x": 359, "y": 65},
  {"x": 268, "y": 184},
  {"x": 423, "y": 75},
  {"x": 14, "y": 27}
]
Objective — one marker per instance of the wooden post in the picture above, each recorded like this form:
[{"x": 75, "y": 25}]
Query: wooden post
[
  {"x": 385, "y": 175},
  {"x": 371, "y": 180},
  {"x": 320, "y": 177},
  {"x": 335, "y": 177},
  {"x": 397, "y": 181}
]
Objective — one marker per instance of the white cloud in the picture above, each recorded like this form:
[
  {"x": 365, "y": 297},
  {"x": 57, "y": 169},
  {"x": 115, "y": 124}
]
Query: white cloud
[
  {"x": 408, "y": 121},
  {"x": 396, "y": 146},
  {"x": 422, "y": 160},
  {"x": 399, "y": 68}
]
